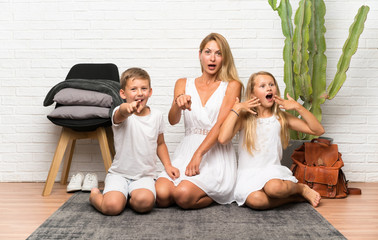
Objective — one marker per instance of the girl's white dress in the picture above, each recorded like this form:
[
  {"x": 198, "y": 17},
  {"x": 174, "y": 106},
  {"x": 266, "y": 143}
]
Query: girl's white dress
[
  {"x": 254, "y": 171},
  {"x": 218, "y": 166}
]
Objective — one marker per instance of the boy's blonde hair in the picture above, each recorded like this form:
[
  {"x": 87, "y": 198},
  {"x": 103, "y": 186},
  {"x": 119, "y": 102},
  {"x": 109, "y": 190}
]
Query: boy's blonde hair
[
  {"x": 228, "y": 71},
  {"x": 249, "y": 120},
  {"x": 134, "y": 73}
]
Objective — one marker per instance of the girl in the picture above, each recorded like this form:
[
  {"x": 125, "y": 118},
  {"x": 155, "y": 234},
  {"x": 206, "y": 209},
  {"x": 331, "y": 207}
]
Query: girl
[
  {"x": 262, "y": 182},
  {"x": 207, "y": 168}
]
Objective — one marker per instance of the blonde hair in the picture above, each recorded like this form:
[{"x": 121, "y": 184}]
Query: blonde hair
[
  {"x": 133, "y": 73},
  {"x": 228, "y": 71},
  {"x": 249, "y": 120}
]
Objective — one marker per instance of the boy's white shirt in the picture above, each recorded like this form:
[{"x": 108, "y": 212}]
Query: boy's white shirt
[{"x": 135, "y": 142}]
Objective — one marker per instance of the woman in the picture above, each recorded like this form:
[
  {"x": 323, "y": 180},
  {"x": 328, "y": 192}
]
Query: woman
[{"x": 207, "y": 168}]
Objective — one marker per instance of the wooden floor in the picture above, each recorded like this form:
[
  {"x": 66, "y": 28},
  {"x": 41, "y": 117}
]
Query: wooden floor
[{"x": 23, "y": 209}]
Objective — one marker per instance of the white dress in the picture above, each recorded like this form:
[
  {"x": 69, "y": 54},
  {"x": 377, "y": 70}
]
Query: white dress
[
  {"x": 265, "y": 164},
  {"x": 218, "y": 166}
]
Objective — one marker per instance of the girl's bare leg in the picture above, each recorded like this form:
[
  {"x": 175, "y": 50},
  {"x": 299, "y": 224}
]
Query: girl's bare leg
[
  {"x": 164, "y": 192},
  {"x": 260, "y": 200},
  {"x": 278, "y": 192},
  {"x": 111, "y": 203},
  {"x": 310, "y": 195},
  {"x": 188, "y": 196},
  {"x": 277, "y": 188}
]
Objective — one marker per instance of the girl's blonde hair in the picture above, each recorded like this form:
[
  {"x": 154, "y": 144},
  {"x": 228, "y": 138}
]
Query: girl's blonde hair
[
  {"x": 249, "y": 120},
  {"x": 228, "y": 71}
]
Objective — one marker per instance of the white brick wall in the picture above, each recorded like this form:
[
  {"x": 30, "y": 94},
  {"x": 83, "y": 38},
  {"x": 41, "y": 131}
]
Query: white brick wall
[{"x": 40, "y": 40}]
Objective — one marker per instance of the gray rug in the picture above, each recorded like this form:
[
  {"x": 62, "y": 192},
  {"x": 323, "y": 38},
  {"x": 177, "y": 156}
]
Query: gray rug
[{"x": 77, "y": 219}]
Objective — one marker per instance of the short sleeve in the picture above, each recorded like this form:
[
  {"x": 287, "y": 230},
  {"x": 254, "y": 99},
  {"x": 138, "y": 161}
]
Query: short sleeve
[
  {"x": 161, "y": 124},
  {"x": 114, "y": 111}
]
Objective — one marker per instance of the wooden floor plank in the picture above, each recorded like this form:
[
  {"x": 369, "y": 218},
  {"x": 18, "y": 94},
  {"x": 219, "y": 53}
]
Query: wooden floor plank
[{"x": 23, "y": 209}]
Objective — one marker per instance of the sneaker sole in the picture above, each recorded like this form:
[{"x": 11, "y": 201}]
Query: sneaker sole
[
  {"x": 73, "y": 189},
  {"x": 86, "y": 189}
]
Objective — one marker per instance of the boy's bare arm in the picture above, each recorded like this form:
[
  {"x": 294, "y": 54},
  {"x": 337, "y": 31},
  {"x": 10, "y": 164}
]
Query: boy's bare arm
[
  {"x": 163, "y": 154},
  {"x": 125, "y": 110}
]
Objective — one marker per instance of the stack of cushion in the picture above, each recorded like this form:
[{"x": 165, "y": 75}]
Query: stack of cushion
[{"x": 81, "y": 104}]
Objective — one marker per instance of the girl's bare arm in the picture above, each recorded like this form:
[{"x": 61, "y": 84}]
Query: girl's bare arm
[
  {"x": 308, "y": 124},
  {"x": 232, "y": 92},
  {"x": 233, "y": 123}
]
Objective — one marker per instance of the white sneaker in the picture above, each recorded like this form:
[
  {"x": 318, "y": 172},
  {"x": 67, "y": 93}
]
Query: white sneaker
[
  {"x": 90, "y": 181},
  {"x": 75, "y": 182}
]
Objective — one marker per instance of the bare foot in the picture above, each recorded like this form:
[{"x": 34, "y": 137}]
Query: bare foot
[
  {"x": 94, "y": 191},
  {"x": 310, "y": 195}
]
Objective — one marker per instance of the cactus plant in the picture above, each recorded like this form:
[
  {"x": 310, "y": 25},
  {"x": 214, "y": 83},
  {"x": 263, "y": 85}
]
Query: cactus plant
[{"x": 304, "y": 56}]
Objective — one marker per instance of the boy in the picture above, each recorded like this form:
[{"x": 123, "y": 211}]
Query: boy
[{"x": 138, "y": 137}]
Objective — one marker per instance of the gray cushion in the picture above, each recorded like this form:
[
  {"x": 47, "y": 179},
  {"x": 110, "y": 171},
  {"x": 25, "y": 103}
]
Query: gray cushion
[
  {"x": 80, "y": 112},
  {"x": 73, "y": 96}
]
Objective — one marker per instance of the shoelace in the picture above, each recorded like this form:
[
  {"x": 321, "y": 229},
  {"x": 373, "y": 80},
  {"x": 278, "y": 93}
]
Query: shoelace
[
  {"x": 91, "y": 178},
  {"x": 75, "y": 178}
]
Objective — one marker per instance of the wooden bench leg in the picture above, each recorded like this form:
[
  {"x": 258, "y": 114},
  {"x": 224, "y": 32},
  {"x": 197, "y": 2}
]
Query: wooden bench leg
[
  {"x": 110, "y": 136},
  {"x": 104, "y": 146},
  {"x": 67, "y": 161},
  {"x": 58, "y": 156},
  {"x": 66, "y": 144}
]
